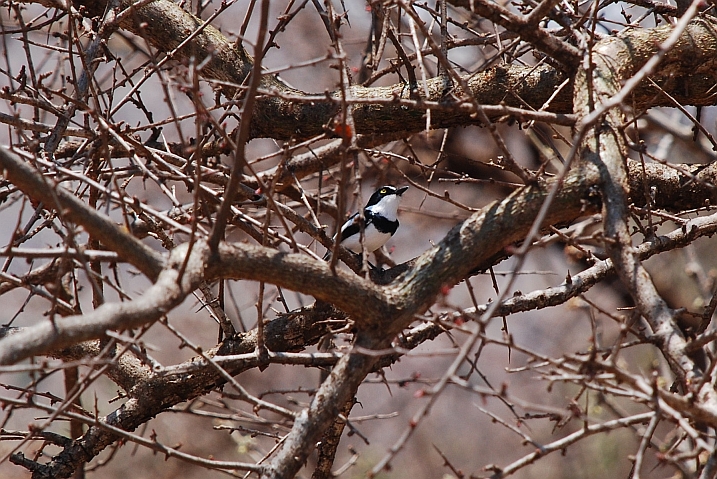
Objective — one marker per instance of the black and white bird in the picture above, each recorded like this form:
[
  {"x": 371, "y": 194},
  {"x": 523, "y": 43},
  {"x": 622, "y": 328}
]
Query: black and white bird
[{"x": 381, "y": 221}]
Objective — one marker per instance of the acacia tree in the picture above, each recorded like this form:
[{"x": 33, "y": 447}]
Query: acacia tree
[{"x": 127, "y": 208}]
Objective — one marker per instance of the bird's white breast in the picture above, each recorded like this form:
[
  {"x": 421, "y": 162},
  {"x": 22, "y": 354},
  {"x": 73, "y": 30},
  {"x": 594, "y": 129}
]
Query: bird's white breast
[
  {"x": 373, "y": 240},
  {"x": 387, "y": 207}
]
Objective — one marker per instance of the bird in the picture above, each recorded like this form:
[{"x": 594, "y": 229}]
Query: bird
[{"x": 380, "y": 221}]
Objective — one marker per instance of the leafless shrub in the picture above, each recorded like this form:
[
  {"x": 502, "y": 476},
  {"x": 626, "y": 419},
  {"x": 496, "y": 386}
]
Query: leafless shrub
[{"x": 168, "y": 197}]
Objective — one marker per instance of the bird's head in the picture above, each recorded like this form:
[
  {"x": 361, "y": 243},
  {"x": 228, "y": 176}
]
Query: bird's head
[{"x": 384, "y": 201}]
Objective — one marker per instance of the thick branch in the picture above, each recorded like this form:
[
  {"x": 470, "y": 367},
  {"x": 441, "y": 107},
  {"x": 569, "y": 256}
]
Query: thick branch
[
  {"x": 527, "y": 28},
  {"x": 467, "y": 246},
  {"x": 603, "y": 146},
  {"x": 284, "y": 112},
  {"x": 168, "y": 292},
  {"x": 70, "y": 208}
]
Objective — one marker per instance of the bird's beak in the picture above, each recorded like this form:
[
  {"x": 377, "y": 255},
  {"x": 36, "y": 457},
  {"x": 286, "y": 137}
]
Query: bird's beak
[{"x": 401, "y": 190}]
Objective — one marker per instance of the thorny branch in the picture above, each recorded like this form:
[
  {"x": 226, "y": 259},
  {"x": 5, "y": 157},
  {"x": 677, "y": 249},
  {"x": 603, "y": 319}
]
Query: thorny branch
[{"x": 71, "y": 175}]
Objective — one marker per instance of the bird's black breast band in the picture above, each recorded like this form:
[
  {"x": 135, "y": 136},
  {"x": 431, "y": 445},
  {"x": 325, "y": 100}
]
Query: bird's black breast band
[{"x": 382, "y": 224}]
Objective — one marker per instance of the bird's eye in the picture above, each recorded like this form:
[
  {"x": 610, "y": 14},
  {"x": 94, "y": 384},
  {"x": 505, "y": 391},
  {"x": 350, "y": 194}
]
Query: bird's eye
[{"x": 383, "y": 191}]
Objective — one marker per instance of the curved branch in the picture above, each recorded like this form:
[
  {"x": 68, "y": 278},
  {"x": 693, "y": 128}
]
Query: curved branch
[
  {"x": 287, "y": 113},
  {"x": 21, "y": 174},
  {"x": 527, "y": 28},
  {"x": 468, "y": 246},
  {"x": 165, "y": 294},
  {"x": 188, "y": 380},
  {"x": 598, "y": 94},
  {"x": 459, "y": 252}
]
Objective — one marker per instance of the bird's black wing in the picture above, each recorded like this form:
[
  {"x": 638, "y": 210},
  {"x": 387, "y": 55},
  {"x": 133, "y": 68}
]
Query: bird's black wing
[{"x": 351, "y": 227}]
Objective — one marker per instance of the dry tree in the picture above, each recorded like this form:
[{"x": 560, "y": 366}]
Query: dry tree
[{"x": 171, "y": 175}]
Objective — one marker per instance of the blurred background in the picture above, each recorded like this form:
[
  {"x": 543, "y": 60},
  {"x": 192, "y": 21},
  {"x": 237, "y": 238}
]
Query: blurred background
[{"x": 465, "y": 432}]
